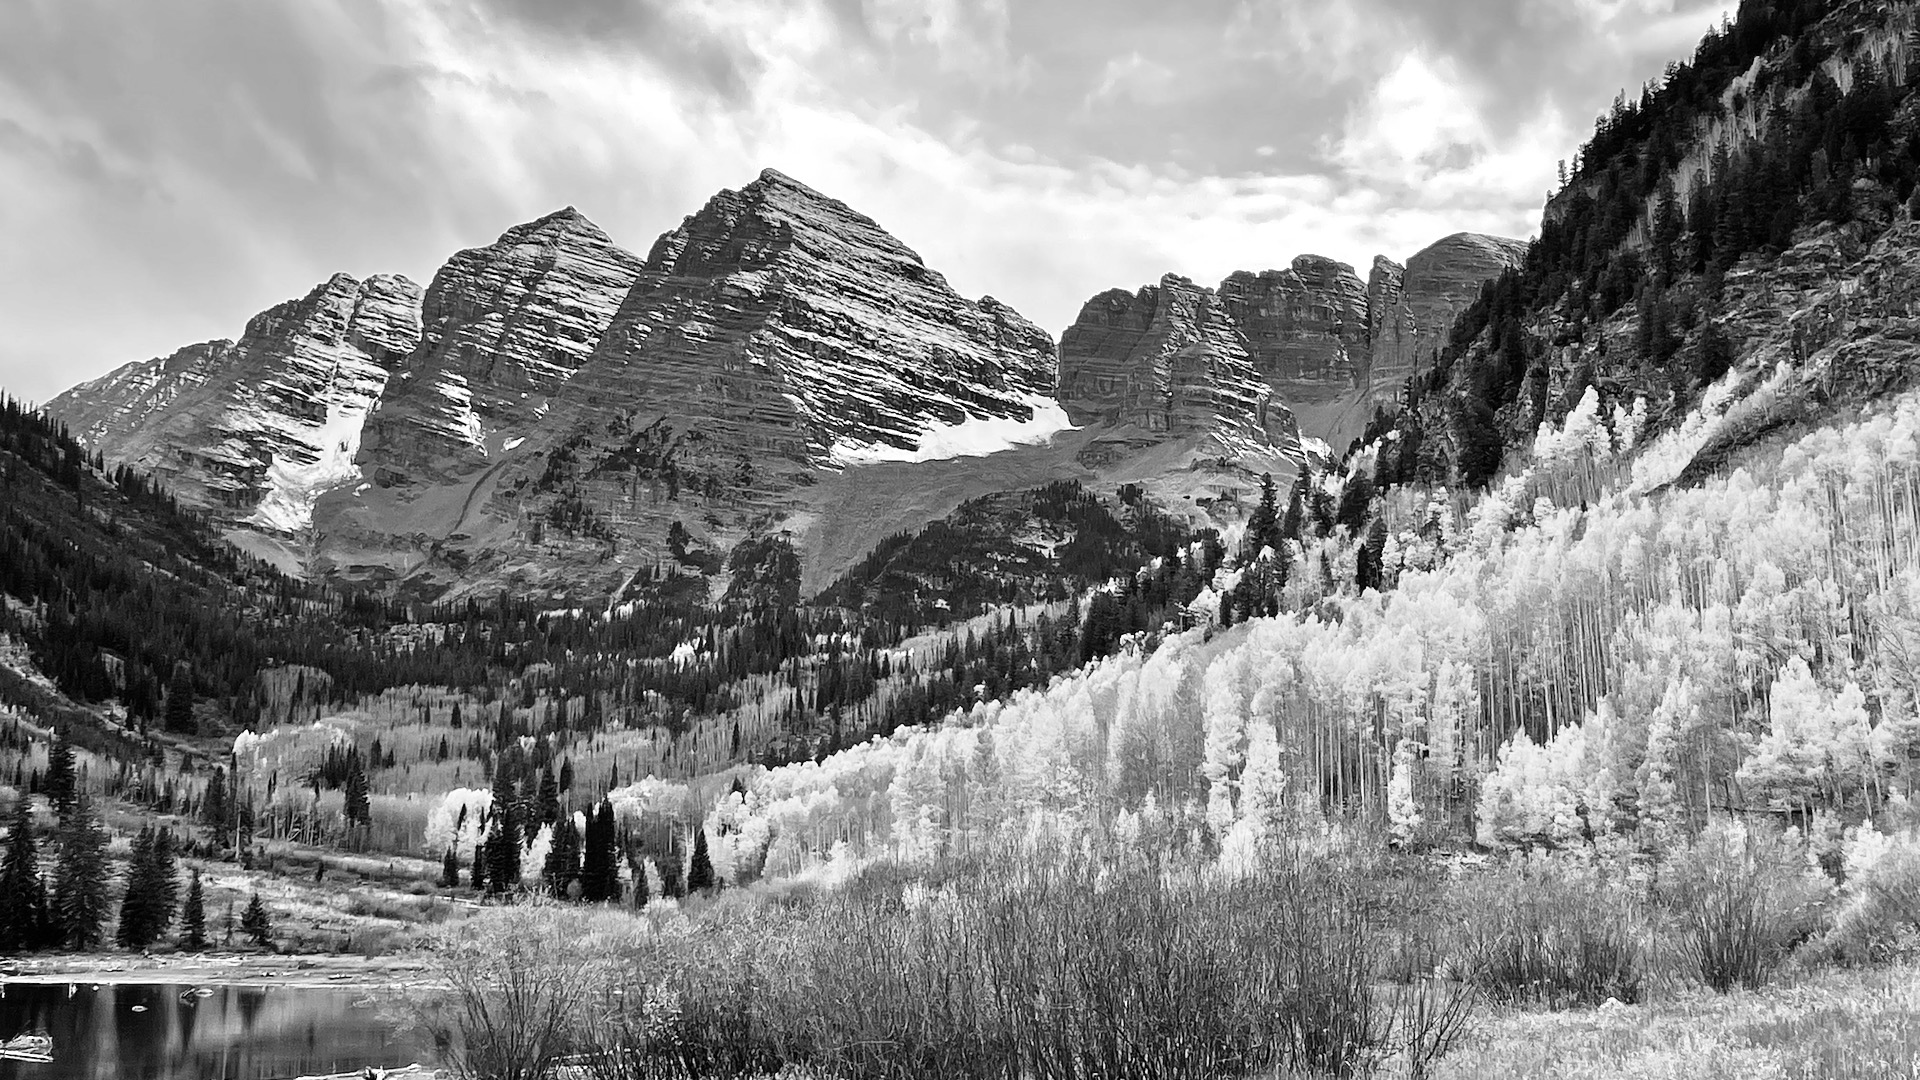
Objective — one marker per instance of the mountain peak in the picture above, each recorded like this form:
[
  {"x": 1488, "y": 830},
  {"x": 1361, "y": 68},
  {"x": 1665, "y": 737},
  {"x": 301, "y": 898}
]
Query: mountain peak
[{"x": 566, "y": 222}]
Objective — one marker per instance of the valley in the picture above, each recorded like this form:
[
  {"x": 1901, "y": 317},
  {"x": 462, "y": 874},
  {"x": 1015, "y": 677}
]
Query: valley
[{"x": 756, "y": 658}]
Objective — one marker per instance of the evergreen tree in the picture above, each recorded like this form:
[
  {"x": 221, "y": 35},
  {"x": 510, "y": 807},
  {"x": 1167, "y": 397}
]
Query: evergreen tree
[
  {"x": 700, "y": 869},
  {"x": 566, "y": 778},
  {"x": 503, "y": 839},
  {"x": 1296, "y": 518},
  {"x": 216, "y": 810},
  {"x": 20, "y": 883},
  {"x": 563, "y": 859},
  {"x": 136, "y": 930},
  {"x": 450, "y": 869},
  {"x": 549, "y": 797},
  {"x": 61, "y": 783},
  {"x": 256, "y": 924},
  {"x": 179, "y": 716},
  {"x": 599, "y": 872},
  {"x": 166, "y": 880},
  {"x": 1356, "y": 498},
  {"x": 1481, "y": 445},
  {"x": 1369, "y": 573},
  {"x": 479, "y": 874},
  {"x": 1263, "y": 525},
  {"x": 193, "y": 915},
  {"x": 80, "y": 878},
  {"x": 358, "y": 808}
]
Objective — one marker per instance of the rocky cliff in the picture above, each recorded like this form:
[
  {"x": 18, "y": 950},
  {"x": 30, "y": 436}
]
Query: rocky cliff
[
  {"x": 1165, "y": 363},
  {"x": 773, "y": 337},
  {"x": 258, "y": 427},
  {"x": 1323, "y": 345},
  {"x": 1410, "y": 308},
  {"x": 503, "y": 327}
]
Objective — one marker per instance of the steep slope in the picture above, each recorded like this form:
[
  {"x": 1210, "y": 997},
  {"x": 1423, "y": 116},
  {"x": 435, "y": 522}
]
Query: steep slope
[
  {"x": 1712, "y": 220},
  {"x": 503, "y": 328},
  {"x": 1166, "y": 363},
  {"x": 258, "y": 427},
  {"x": 770, "y": 339},
  {"x": 1302, "y": 352},
  {"x": 1410, "y": 308}
]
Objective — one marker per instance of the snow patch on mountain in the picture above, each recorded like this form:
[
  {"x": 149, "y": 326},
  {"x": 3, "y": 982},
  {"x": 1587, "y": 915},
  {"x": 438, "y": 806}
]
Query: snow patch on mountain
[
  {"x": 293, "y": 485},
  {"x": 976, "y": 436}
]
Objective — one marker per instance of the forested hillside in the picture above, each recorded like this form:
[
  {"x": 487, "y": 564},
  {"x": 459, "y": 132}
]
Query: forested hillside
[{"x": 1794, "y": 120}]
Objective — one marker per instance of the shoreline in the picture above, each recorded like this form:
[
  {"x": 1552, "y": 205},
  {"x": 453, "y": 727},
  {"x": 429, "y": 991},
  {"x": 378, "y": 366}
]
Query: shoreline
[{"x": 218, "y": 969}]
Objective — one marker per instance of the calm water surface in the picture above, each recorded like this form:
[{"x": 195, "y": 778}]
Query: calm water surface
[{"x": 239, "y": 1033}]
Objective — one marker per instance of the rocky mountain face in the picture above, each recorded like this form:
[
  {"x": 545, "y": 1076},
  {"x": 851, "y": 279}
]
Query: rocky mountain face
[
  {"x": 1410, "y": 308},
  {"x": 260, "y": 426},
  {"x": 1318, "y": 345},
  {"x": 555, "y": 414},
  {"x": 1165, "y": 363},
  {"x": 502, "y": 328},
  {"x": 571, "y": 406}
]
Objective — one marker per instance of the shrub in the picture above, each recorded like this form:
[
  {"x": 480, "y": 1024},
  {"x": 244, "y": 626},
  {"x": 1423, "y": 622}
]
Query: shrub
[
  {"x": 1541, "y": 932},
  {"x": 514, "y": 992},
  {"x": 1743, "y": 899},
  {"x": 1877, "y": 917},
  {"x": 994, "y": 967}
]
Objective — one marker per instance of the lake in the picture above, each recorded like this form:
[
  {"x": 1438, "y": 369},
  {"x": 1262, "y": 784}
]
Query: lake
[{"x": 150, "y": 1032}]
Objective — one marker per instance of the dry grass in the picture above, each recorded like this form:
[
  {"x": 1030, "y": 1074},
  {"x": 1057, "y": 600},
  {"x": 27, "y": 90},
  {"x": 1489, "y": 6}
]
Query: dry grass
[{"x": 1834, "y": 1026}]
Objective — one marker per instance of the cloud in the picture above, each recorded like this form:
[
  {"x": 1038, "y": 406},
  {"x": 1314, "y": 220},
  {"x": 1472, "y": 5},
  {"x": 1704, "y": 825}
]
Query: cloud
[{"x": 173, "y": 169}]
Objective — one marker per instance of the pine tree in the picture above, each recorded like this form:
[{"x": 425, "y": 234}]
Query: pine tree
[
  {"x": 596, "y": 862},
  {"x": 19, "y": 883},
  {"x": 216, "y": 810},
  {"x": 136, "y": 930},
  {"x": 358, "y": 808},
  {"x": 1369, "y": 573},
  {"x": 700, "y": 869},
  {"x": 503, "y": 839},
  {"x": 1296, "y": 519},
  {"x": 563, "y": 859},
  {"x": 479, "y": 873},
  {"x": 193, "y": 916},
  {"x": 1263, "y": 526},
  {"x": 179, "y": 716},
  {"x": 450, "y": 869},
  {"x": 566, "y": 778},
  {"x": 166, "y": 881},
  {"x": 61, "y": 782},
  {"x": 549, "y": 797},
  {"x": 1356, "y": 500},
  {"x": 80, "y": 878},
  {"x": 256, "y": 924}
]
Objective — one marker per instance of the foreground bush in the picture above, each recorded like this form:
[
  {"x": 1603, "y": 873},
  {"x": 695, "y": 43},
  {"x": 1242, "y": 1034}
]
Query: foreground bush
[
  {"x": 1742, "y": 900},
  {"x": 1548, "y": 933},
  {"x": 1073, "y": 969},
  {"x": 1877, "y": 917},
  {"x": 515, "y": 986}
]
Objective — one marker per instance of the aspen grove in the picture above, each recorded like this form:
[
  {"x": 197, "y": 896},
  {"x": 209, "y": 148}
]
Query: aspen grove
[{"x": 1585, "y": 654}]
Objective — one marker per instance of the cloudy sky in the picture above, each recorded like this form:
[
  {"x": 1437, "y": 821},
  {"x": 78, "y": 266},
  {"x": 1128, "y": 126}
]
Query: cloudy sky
[{"x": 170, "y": 167}]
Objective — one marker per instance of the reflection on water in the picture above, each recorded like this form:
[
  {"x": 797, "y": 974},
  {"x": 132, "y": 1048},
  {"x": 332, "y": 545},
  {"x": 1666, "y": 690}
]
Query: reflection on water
[{"x": 150, "y": 1032}]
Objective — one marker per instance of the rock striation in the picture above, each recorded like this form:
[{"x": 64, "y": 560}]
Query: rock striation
[
  {"x": 1306, "y": 326},
  {"x": 1167, "y": 362},
  {"x": 778, "y": 321},
  {"x": 503, "y": 328},
  {"x": 570, "y": 403},
  {"x": 258, "y": 427},
  {"x": 1411, "y": 308},
  {"x": 1323, "y": 345}
]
